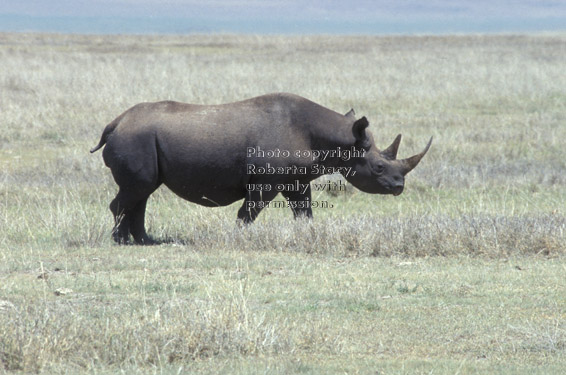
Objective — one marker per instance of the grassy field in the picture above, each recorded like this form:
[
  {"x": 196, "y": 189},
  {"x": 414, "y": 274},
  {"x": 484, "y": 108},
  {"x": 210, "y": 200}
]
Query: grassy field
[{"x": 462, "y": 273}]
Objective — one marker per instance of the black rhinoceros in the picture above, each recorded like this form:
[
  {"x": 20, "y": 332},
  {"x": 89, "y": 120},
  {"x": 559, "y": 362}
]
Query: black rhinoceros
[{"x": 254, "y": 149}]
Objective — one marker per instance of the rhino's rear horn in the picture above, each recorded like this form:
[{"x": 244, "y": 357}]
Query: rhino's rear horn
[
  {"x": 390, "y": 152},
  {"x": 410, "y": 163}
]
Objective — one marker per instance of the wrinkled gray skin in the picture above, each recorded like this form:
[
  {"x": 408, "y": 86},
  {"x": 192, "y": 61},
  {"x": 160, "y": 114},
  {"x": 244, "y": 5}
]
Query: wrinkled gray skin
[{"x": 200, "y": 153}]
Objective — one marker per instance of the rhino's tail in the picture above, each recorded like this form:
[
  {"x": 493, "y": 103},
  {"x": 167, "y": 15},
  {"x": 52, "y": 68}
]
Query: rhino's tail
[{"x": 107, "y": 130}]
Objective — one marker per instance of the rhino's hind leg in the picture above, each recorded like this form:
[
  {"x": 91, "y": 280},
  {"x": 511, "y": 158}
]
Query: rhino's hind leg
[
  {"x": 121, "y": 231},
  {"x": 137, "y": 224},
  {"x": 128, "y": 209}
]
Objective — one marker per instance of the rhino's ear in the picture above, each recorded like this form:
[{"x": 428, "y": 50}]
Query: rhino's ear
[
  {"x": 359, "y": 131},
  {"x": 351, "y": 114}
]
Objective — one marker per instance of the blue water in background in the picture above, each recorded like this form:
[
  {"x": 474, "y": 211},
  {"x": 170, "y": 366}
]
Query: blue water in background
[{"x": 159, "y": 25}]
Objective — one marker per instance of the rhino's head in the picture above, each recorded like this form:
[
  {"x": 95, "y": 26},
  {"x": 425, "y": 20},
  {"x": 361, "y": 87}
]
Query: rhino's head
[{"x": 379, "y": 172}]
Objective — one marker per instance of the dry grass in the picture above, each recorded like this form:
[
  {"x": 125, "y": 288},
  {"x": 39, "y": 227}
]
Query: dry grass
[{"x": 461, "y": 273}]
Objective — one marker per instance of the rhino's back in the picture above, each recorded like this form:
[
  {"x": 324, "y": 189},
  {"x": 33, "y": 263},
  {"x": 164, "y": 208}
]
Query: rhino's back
[{"x": 217, "y": 133}]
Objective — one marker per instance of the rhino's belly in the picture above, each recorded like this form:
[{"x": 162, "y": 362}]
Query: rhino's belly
[{"x": 206, "y": 193}]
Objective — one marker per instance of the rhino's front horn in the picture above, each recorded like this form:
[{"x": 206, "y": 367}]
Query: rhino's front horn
[{"x": 410, "y": 163}]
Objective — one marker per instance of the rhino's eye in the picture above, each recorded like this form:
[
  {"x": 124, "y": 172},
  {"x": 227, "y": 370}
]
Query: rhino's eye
[{"x": 378, "y": 168}]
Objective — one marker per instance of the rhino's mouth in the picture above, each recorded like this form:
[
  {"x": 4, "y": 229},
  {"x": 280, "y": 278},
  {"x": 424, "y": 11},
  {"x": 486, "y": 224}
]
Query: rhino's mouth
[{"x": 397, "y": 190}]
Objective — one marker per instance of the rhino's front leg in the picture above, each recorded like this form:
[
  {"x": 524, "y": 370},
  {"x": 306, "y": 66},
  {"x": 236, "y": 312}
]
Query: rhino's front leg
[
  {"x": 300, "y": 202},
  {"x": 253, "y": 204}
]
